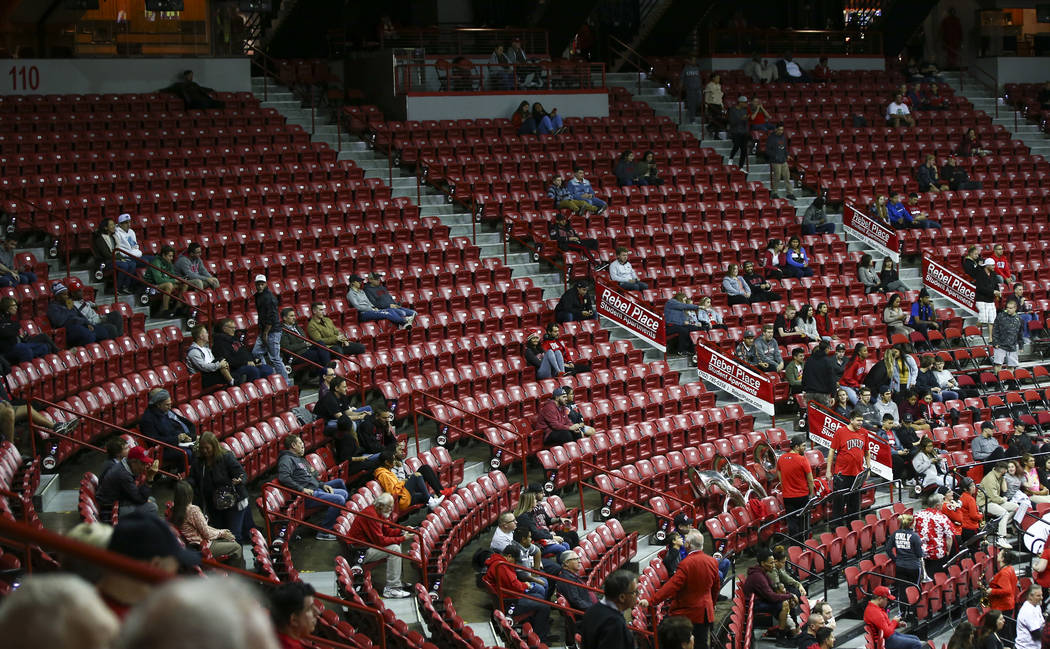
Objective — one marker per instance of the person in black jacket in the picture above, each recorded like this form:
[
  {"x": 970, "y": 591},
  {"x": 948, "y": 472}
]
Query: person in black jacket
[
  {"x": 603, "y": 625},
  {"x": 818, "y": 374},
  {"x": 375, "y": 432},
  {"x": 562, "y": 233},
  {"x": 269, "y": 340},
  {"x": 340, "y": 417},
  {"x": 986, "y": 283},
  {"x": 120, "y": 486},
  {"x": 579, "y": 597},
  {"x": 575, "y": 305},
  {"x": 103, "y": 243},
  {"x": 219, "y": 481},
  {"x": 15, "y": 347},
  {"x": 227, "y": 345},
  {"x": 162, "y": 424}
]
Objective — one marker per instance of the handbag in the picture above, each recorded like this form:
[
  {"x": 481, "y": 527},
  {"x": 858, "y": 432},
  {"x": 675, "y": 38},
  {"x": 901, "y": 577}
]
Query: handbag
[{"x": 224, "y": 497}]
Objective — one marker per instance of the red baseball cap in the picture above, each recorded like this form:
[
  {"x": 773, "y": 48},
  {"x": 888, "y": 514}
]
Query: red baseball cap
[
  {"x": 139, "y": 454},
  {"x": 74, "y": 284},
  {"x": 882, "y": 591}
]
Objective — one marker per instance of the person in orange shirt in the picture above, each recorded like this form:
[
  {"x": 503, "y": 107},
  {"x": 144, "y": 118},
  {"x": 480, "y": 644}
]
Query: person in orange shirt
[
  {"x": 406, "y": 493},
  {"x": 972, "y": 518},
  {"x": 796, "y": 484}
]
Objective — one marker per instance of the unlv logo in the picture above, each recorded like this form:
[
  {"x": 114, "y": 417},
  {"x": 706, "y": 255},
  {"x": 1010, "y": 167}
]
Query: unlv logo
[{"x": 854, "y": 443}]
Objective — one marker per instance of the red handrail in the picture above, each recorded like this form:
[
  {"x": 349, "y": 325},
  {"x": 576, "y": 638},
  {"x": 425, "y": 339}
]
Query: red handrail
[
  {"x": 508, "y": 223},
  {"x": 360, "y": 385},
  {"x": 580, "y": 484},
  {"x": 138, "y": 260},
  {"x": 55, "y": 219}
]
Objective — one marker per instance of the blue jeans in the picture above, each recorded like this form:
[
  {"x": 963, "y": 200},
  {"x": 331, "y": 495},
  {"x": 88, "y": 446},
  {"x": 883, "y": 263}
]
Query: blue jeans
[
  {"x": 552, "y": 364},
  {"x": 247, "y": 373},
  {"x": 903, "y": 641},
  {"x": 23, "y": 278},
  {"x": 1025, "y": 319},
  {"x": 594, "y": 201},
  {"x": 123, "y": 280},
  {"x": 382, "y": 314},
  {"x": 24, "y": 352},
  {"x": 272, "y": 348},
  {"x": 78, "y": 335},
  {"x": 337, "y": 497},
  {"x": 723, "y": 568},
  {"x": 634, "y": 286}
]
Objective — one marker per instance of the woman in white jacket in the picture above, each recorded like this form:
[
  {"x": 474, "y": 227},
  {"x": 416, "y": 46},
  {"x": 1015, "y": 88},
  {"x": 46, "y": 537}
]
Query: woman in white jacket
[{"x": 931, "y": 467}]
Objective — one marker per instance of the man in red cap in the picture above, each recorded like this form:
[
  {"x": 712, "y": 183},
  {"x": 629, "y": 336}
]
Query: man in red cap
[
  {"x": 878, "y": 622},
  {"x": 127, "y": 484}
]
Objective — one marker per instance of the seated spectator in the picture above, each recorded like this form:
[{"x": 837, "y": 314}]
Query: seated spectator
[
  {"x": 546, "y": 123},
  {"x": 162, "y": 424},
  {"x": 383, "y": 540},
  {"x": 339, "y": 416},
  {"x": 503, "y": 535},
  {"x": 164, "y": 278},
  {"x": 772, "y": 260},
  {"x": 922, "y": 217},
  {"x": 760, "y": 70},
  {"x": 575, "y": 416},
  {"x": 758, "y": 117},
  {"x": 956, "y": 176},
  {"x": 793, "y": 369},
  {"x": 790, "y": 71},
  {"x": 502, "y": 579},
  {"x": 565, "y": 236},
  {"x": 193, "y": 269},
  {"x": 889, "y": 277},
  {"x": 201, "y": 360},
  {"x": 103, "y": 243},
  {"x": 562, "y": 197},
  {"x": 825, "y": 326},
  {"x": 901, "y": 217},
  {"x": 894, "y": 318},
  {"x": 879, "y": 210},
  {"x": 815, "y": 221},
  {"x": 553, "y": 421},
  {"x": 675, "y": 311},
  {"x": 625, "y": 170},
  {"x": 116, "y": 450},
  {"x": 898, "y": 113},
  {"x": 382, "y": 299},
  {"x": 576, "y": 593},
  {"x": 294, "y": 340},
  {"x": 796, "y": 261},
  {"x": 713, "y": 106},
  {"x": 923, "y": 318},
  {"x": 1003, "y": 270},
  {"x": 852, "y": 377},
  {"x": 935, "y": 100},
  {"x": 930, "y": 466},
  {"x": 413, "y": 490},
  {"x": 56, "y": 610},
  {"x": 127, "y": 242},
  {"x": 10, "y": 274},
  {"x": 13, "y": 411},
  {"x": 806, "y": 323},
  {"x": 554, "y": 534},
  {"x": 916, "y": 98},
  {"x": 110, "y": 325},
  {"x": 228, "y": 345},
  {"x": 551, "y": 342},
  {"x": 580, "y": 190},
  {"x": 192, "y": 524},
  {"x": 738, "y": 290},
  {"x": 767, "y": 600},
  {"x": 294, "y": 472},
  {"x": 1024, "y": 311},
  {"x": 745, "y": 350},
  {"x": 15, "y": 346},
  {"x": 127, "y": 485},
  {"x": 530, "y": 556},
  {"x": 706, "y": 317},
  {"x": 548, "y": 363},
  {"x": 62, "y": 313},
  {"x": 878, "y": 623},
  {"x": 821, "y": 71},
  {"x": 520, "y": 115},
  {"x": 868, "y": 276},
  {"x": 575, "y": 305},
  {"x": 915, "y": 412},
  {"x": 195, "y": 96},
  {"x": 785, "y": 327},
  {"x": 321, "y": 330},
  {"x": 621, "y": 272},
  {"x": 648, "y": 173},
  {"x": 928, "y": 177},
  {"x": 971, "y": 145},
  {"x": 293, "y": 612},
  {"x": 767, "y": 353},
  {"x": 368, "y": 312},
  {"x": 761, "y": 289},
  {"x": 424, "y": 472},
  {"x": 499, "y": 72}
]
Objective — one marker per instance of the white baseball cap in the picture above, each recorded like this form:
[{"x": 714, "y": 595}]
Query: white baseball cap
[
  {"x": 988, "y": 261},
  {"x": 260, "y": 278}
]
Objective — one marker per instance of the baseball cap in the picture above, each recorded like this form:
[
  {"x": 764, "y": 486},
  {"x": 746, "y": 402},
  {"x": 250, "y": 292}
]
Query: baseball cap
[
  {"x": 260, "y": 278},
  {"x": 558, "y": 392},
  {"x": 124, "y": 218},
  {"x": 144, "y": 536},
  {"x": 376, "y": 275},
  {"x": 139, "y": 454},
  {"x": 882, "y": 591},
  {"x": 988, "y": 261},
  {"x": 840, "y": 347},
  {"x": 749, "y": 334},
  {"x": 356, "y": 278},
  {"x": 681, "y": 520},
  {"x": 741, "y": 98},
  {"x": 74, "y": 283}
]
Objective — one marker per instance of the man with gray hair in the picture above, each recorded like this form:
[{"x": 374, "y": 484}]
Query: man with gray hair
[
  {"x": 935, "y": 530},
  {"x": 694, "y": 588},
  {"x": 56, "y": 610},
  {"x": 199, "y": 613},
  {"x": 382, "y": 539},
  {"x": 579, "y": 597}
]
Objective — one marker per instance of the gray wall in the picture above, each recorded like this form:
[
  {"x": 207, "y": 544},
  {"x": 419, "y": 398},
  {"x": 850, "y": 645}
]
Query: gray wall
[
  {"x": 101, "y": 76},
  {"x": 1014, "y": 69},
  {"x": 807, "y": 62},
  {"x": 502, "y": 105}
]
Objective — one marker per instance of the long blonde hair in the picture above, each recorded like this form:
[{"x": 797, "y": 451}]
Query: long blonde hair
[{"x": 526, "y": 504}]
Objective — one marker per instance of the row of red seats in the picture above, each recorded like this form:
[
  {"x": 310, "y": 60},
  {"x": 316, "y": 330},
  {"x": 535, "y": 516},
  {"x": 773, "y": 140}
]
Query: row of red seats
[{"x": 94, "y": 103}]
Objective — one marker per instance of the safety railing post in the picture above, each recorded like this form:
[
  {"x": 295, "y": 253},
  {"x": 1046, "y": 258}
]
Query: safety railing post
[
  {"x": 579, "y": 491},
  {"x": 506, "y": 228},
  {"x": 390, "y": 165}
]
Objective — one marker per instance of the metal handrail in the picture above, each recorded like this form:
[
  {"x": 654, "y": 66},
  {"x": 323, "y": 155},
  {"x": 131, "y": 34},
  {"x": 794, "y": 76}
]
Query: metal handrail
[
  {"x": 580, "y": 484},
  {"x": 508, "y": 225},
  {"x": 342, "y": 357},
  {"x": 53, "y": 215},
  {"x": 403, "y": 38},
  {"x": 117, "y": 271},
  {"x": 470, "y": 78},
  {"x": 638, "y": 63}
]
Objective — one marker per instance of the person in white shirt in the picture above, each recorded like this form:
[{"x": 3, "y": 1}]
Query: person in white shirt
[
  {"x": 1030, "y": 620},
  {"x": 127, "y": 242},
  {"x": 504, "y": 534},
  {"x": 621, "y": 272},
  {"x": 898, "y": 113},
  {"x": 199, "y": 358}
]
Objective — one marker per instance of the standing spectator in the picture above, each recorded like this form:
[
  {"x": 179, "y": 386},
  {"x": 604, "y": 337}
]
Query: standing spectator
[
  {"x": 777, "y": 154},
  {"x": 675, "y": 318},
  {"x": 923, "y": 318},
  {"x": 16, "y": 347},
  {"x": 382, "y": 299},
  {"x": 935, "y": 530},
  {"x": 818, "y": 376},
  {"x": 201, "y": 360},
  {"x": 268, "y": 341},
  {"x": 575, "y": 305},
  {"x": 745, "y": 351},
  {"x": 648, "y": 171},
  {"x": 767, "y": 600},
  {"x": 987, "y": 292},
  {"x": 103, "y": 242},
  {"x": 227, "y": 345},
  {"x": 1002, "y": 589},
  {"x": 761, "y": 289},
  {"x": 971, "y": 262},
  {"x": 1002, "y": 265},
  {"x": 294, "y": 472},
  {"x": 562, "y": 197},
  {"x": 621, "y": 272},
  {"x": 62, "y": 314},
  {"x": 383, "y": 541},
  {"x": 165, "y": 279},
  {"x": 10, "y": 274},
  {"x": 326, "y": 336},
  {"x": 193, "y": 525},
  {"x": 767, "y": 352},
  {"x": 502, "y": 579},
  {"x": 928, "y": 177},
  {"x": 693, "y": 589},
  {"x": 1007, "y": 336},
  {"x": 796, "y": 482},
  {"x": 898, "y": 113},
  {"x": 814, "y": 220},
  {"x": 565, "y": 236},
  {"x": 878, "y": 623},
  {"x": 1030, "y": 620},
  {"x": 603, "y": 625},
  {"x": 692, "y": 87},
  {"x": 110, "y": 325},
  {"x": 951, "y": 38},
  {"x": 905, "y": 548},
  {"x": 713, "y": 106},
  {"x": 739, "y": 129},
  {"x": 893, "y": 317},
  {"x": 368, "y": 312},
  {"x": 796, "y": 260},
  {"x": 849, "y": 457},
  {"x": 793, "y": 370},
  {"x": 127, "y": 485},
  {"x": 162, "y": 424},
  {"x": 221, "y": 483},
  {"x": 738, "y": 290},
  {"x": 580, "y": 190},
  {"x": 193, "y": 269}
]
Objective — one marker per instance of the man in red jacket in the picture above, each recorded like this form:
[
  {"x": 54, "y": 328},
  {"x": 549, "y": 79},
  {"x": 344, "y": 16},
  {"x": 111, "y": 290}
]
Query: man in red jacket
[
  {"x": 694, "y": 588},
  {"x": 553, "y": 420},
  {"x": 502, "y": 579},
  {"x": 876, "y": 620},
  {"x": 382, "y": 535}
]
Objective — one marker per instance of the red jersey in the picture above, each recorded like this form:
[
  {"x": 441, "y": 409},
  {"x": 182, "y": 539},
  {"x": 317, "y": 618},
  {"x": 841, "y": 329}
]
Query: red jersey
[
  {"x": 793, "y": 470},
  {"x": 1043, "y": 578},
  {"x": 850, "y": 450},
  {"x": 1002, "y": 266}
]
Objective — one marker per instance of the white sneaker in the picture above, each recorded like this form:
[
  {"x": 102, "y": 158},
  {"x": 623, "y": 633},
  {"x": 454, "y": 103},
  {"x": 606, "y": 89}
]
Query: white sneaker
[
  {"x": 391, "y": 592},
  {"x": 435, "y": 501},
  {"x": 1004, "y": 544}
]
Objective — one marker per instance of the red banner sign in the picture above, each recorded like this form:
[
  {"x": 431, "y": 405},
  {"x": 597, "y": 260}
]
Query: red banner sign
[
  {"x": 822, "y": 427},
  {"x": 631, "y": 314},
  {"x": 871, "y": 231},
  {"x": 956, "y": 287},
  {"x": 735, "y": 378}
]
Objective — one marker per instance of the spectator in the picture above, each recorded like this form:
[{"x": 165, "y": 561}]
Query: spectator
[
  {"x": 929, "y": 178},
  {"x": 10, "y": 275},
  {"x": 268, "y": 341},
  {"x": 192, "y": 524},
  {"x": 921, "y": 217},
  {"x": 580, "y": 190},
  {"x": 529, "y": 556},
  {"x": 972, "y": 518},
  {"x": 988, "y": 635},
  {"x": 110, "y": 325},
  {"x": 738, "y": 290},
  {"x": 840, "y": 403},
  {"x": 971, "y": 145},
  {"x": 575, "y": 416},
  {"x": 625, "y": 171},
  {"x": 793, "y": 370},
  {"x": 706, "y": 317},
  {"x": 551, "y": 341},
  {"x": 782, "y": 579},
  {"x": 984, "y": 447},
  {"x": 971, "y": 262},
  {"x": 745, "y": 351},
  {"x": 499, "y": 72},
  {"x": 760, "y": 70},
  {"x": 379, "y": 296},
  {"x": 201, "y": 360},
  {"x": 898, "y": 113},
  {"x": 675, "y": 311},
  {"x": 814, "y": 220},
  {"x": 956, "y": 176},
  {"x": 772, "y": 259},
  {"x": 713, "y": 106},
  {"x": 221, "y": 481},
  {"x": 1030, "y": 620},
  {"x": 914, "y": 413},
  {"x": 890, "y": 278},
  {"x": 928, "y": 382},
  {"x": 565, "y": 236},
  {"x": 1002, "y": 265},
  {"x": 555, "y": 535},
  {"x": 777, "y": 154},
  {"x": 340, "y": 420},
  {"x": 553, "y": 421},
  {"x": 603, "y": 625},
  {"x": 849, "y": 457},
  {"x": 61, "y": 313},
  {"x": 901, "y": 217},
  {"x": 1024, "y": 312},
  {"x": 14, "y": 345},
  {"x": 294, "y": 613},
  {"x": 923, "y": 318},
  {"x": 504, "y": 532},
  {"x": 548, "y": 363},
  {"x": 739, "y": 129},
  {"x": 868, "y": 276},
  {"x": 796, "y": 478},
  {"x": 821, "y": 71},
  {"x": 376, "y": 433},
  {"x": 57, "y": 610},
  {"x": 930, "y": 466},
  {"x": 193, "y": 269},
  {"x": 621, "y": 272},
  {"x": 162, "y": 424},
  {"x": 368, "y": 312},
  {"x": 14, "y": 410},
  {"x": 164, "y": 278},
  {"x": 825, "y": 325},
  {"x": 693, "y": 588},
  {"x": 852, "y": 377},
  {"x": 759, "y": 118},
  {"x": 949, "y": 387},
  {"x": 116, "y": 450},
  {"x": 806, "y": 324},
  {"x": 872, "y": 418},
  {"x": 228, "y": 345},
  {"x": 759, "y": 585},
  {"x": 648, "y": 171},
  {"x": 574, "y": 588},
  {"x": 520, "y": 115},
  {"x": 879, "y": 210},
  {"x": 103, "y": 244},
  {"x": 575, "y": 305},
  {"x": 127, "y": 241},
  {"x": 785, "y": 327},
  {"x": 986, "y": 293},
  {"x": 878, "y": 623},
  {"x": 808, "y": 638},
  {"x": 790, "y": 71},
  {"x": 326, "y": 336},
  {"x": 502, "y": 579},
  {"x": 294, "y": 472},
  {"x": 916, "y": 98},
  {"x": 195, "y": 96},
  {"x": 562, "y": 197},
  {"x": 761, "y": 289},
  {"x": 127, "y": 485},
  {"x": 767, "y": 352},
  {"x": 692, "y": 88},
  {"x": 1002, "y": 591},
  {"x": 423, "y": 472},
  {"x": 893, "y": 317},
  {"x": 796, "y": 261},
  {"x": 408, "y": 492},
  {"x": 546, "y": 123},
  {"x": 1030, "y": 480},
  {"x": 990, "y": 499},
  {"x": 384, "y": 540}
]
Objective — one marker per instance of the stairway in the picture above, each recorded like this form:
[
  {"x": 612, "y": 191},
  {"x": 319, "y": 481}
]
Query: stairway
[{"x": 985, "y": 99}]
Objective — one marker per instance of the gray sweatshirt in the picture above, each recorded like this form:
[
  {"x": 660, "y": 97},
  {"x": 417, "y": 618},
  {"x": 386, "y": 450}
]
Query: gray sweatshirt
[
  {"x": 359, "y": 300},
  {"x": 982, "y": 447}
]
